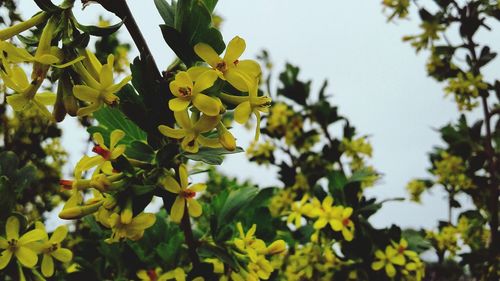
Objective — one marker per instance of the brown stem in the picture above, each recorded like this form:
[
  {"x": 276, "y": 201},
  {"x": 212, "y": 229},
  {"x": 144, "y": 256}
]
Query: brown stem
[
  {"x": 189, "y": 238},
  {"x": 121, "y": 9}
]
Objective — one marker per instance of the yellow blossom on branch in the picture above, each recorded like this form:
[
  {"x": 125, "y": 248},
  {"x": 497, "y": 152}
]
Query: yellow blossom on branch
[
  {"x": 186, "y": 91},
  {"x": 51, "y": 248},
  {"x": 387, "y": 260},
  {"x": 237, "y": 72},
  {"x": 191, "y": 130},
  {"x": 185, "y": 195},
  {"x": 19, "y": 246}
]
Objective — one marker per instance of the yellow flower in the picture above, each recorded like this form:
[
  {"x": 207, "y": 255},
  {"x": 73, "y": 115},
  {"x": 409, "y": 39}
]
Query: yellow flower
[
  {"x": 133, "y": 230},
  {"x": 248, "y": 243},
  {"x": 191, "y": 131},
  {"x": 299, "y": 209},
  {"x": 187, "y": 91},
  {"x": 100, "y": 88},
  {"x": 237, "y": 72},
  {"x": 337, "y": 216},
  {"x": 177, "y": 274},
  {"x": 51, "y": 248},
  {"x": 105, "y": 154},
  {"x": 26, "y": 93},
  {"x": 387, "y": 260},
  {"x": 185, "y": 195},
  {"x": 248, "y": 105},
  {"x": 218, "y": 265},
  {"x": 149, "y": 275},
  {"x": 20, "y": 247}
]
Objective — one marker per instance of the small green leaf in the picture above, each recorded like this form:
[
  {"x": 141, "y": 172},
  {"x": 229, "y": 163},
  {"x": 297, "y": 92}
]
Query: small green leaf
[
  {"x": 140, "y": 151},
  {"x": 211, "y": 156},
  {"x": 167, "y": 11},
  {"x": 236, "y": 202},
  {"x": 210, "y": 251},
  {"x": 98, "y": 31}
]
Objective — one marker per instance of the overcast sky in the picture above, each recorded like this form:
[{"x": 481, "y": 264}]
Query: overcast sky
[{"x": 377, "y": 81}]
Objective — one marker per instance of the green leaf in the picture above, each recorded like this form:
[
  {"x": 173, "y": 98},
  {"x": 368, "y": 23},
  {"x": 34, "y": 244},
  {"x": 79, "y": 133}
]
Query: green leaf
[
  {"x": 110, "y": 119},
  {"x": 236, "y": 202},
  {"x": 179, "y": 44},
  {"x": 140, "y": 151},
  {"x": 96, "y": 30},
  {"x": 210, "y": 4},
  {"x": 336, "y": 183},
  {"x": 47, "y": 6},
  {"x": 167, "y": 11},
  {"x": 210, "y": 251},
  {"x": 211, "y": 156},
  {"x": 292, "y": 87}
]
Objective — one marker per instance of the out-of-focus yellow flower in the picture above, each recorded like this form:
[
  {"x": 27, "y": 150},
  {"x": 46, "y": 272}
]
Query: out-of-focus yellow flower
[
  {"x": 450, "y": 171},
  {"x": 466, "y": 87},
  {"x": 186, "y": 91},
  {"x": 387, "y": 260},
  {"x": 185, "y": 195},
  {"x": 20, "y": 247},
  {"x": 239, "y": 73},
  {"x": 99, "y": 88},
  {"x": 248, "y": 243},
  {"x": 177, "y": 274},
  {"x": 299, "y": 209},
  {"x": 25, "y": 92},
  {"x": 416, "y": 188},
  {"x": 191, "y": 131},
  {"x": 337, "y": 216},
  {"x": 248, "y": 105},
  {"x": 51, "y": 248},
  {"x": 149, "y": 275}
]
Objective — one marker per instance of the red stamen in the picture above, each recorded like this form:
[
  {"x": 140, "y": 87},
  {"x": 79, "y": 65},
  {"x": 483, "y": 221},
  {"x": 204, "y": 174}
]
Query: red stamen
[
  {"x": 101, "y": 151},
  {"x": 188, "y": 194},
  {"x": 66, "y": 184},
  {"x": 221, "y": 66},
  {"x": 236, "y": 62},
  {"x": 152, "y": 274},
  {"x": 345, "y": 222}
]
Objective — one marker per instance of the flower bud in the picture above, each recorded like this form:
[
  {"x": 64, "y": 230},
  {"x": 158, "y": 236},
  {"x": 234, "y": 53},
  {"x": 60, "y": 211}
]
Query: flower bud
[{"x": 276, "y": 247}]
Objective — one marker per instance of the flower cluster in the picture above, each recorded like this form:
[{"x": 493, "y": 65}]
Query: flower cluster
[
  {"x": 199, "y": 89},
  {"x": 26, "y": 248},
  {"x": 450, "y": 171},
  {"x": 398, "y": 258},
  {"x": 466, "y": 87},
  {"x": 252, "y": 251}
]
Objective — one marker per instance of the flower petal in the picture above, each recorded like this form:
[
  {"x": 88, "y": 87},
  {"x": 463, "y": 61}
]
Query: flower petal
[
  {"x": 242, "y": 112},
  {"x": 194, "y": 208},
  {"x": 209, "y": 142},
  {"x": 170, "y": 184},
  {"x": 377, "y": 265},
  {"x": 99, "y": 139},
  {"x": 205, "y": 81},
  {"x": 390, "y": 270},
  {"x": 85, "y": 93},
  {"x": 336, "y": 225},
  {"x": 5, "y": 258},
  {"x": 178, "y": 104},
  {"x": 249, "y": 67},
  {"x": 59, "y": 234},
  {"x": 177, "y": 210},
  {"x": 115, "y": 137},
  {"x": 31, "y": 236},
  {"x": 234, "y": 49},
  {"x": 12, "y": 228},
  {"x": 199, "y": 187},
  {"x": 207, "y": 53},
  {"x": 183, "y": 176},
  {"x": 195, "y": 71},
  {"x": 182, "y": 118},
  {"x": 3, "y": 243},
  {"x": 62, "y": 255},
  {"x": 238, "y": 79},
  {"x": 47, "y": 265},
  {"x": 46, "y": 98},
  {"x": 206, "y": 123},
  {"x": 172, "y": 133},
  {"x": 206, "y": 104},
  {"x": 26, "y": 257}
]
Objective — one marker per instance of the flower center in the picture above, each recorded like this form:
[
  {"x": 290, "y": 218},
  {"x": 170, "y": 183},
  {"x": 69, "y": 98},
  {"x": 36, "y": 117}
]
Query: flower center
[
  {"x": 401, "y": 249},
  {"x": 106, "y": 154},
  {"x": 152, "y": 275},
  {"x": 12, "y": 245},
  {"x": 185, "y": 91},
  {"x": 52, "y": 248},
  {"x": 221, "y": 66},
  {"x": 188, "y": 194},
  {"x": 345, "y": 222}
]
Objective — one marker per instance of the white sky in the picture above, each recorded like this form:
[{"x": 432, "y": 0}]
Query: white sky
[{"x": 378, "y": 82}]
